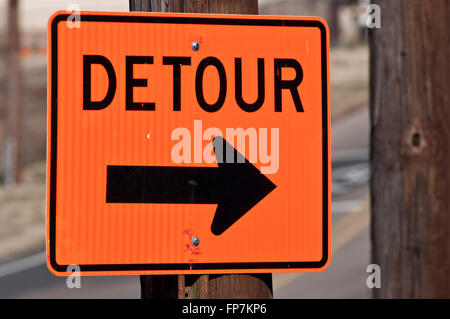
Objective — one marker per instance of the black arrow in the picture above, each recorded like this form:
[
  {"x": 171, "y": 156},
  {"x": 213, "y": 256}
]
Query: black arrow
[{"x": 235, "y": 185}]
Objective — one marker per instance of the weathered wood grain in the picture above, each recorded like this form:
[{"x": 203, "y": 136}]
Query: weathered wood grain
[
  {"x": 203, "y": 286},
  {"x": 410, "y": 148}
]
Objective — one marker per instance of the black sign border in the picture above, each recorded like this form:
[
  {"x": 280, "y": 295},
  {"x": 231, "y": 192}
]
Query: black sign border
[{"x": 188, "y": 20}]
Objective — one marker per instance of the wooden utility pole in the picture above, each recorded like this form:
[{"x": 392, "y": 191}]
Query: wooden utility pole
[
  {"x": 203, "y": 286},
  {"x": 410, "y": 148},
  {"x": 13, "y": 140}
]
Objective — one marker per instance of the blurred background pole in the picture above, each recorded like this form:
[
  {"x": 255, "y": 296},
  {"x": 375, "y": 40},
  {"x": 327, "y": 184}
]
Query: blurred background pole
[
  {"x": 13, "y": 143},
  {"x": 410, "y": 148},
  {"x": 203, "y": 286},
  {"x": 333, "y": 20}
]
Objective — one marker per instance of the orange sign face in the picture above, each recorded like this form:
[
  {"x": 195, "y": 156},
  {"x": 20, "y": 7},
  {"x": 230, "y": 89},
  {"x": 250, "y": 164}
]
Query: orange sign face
[{"x": 186, "y": 143}]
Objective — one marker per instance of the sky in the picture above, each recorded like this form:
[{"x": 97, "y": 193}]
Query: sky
[{"x": 34, "y": 14}]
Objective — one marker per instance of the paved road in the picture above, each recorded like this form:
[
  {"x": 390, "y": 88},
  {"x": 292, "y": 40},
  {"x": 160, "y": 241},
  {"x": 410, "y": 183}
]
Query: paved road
[{"x": 28, "y": 277}]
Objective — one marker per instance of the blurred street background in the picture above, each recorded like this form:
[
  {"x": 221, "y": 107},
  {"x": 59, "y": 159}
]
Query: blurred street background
[{"x": 23, "y": 273}]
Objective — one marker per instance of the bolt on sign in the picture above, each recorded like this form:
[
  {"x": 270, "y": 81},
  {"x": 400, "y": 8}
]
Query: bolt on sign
[{"x": 188, "y": 144}]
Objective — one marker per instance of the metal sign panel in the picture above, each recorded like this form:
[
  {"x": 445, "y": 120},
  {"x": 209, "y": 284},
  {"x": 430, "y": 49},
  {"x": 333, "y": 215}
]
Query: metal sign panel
[{"x": 187, "y": 143}]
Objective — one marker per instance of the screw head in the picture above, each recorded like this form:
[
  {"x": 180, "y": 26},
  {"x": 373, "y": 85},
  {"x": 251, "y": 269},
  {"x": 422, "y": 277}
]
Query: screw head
[
  {"x": 195, "y": 241},
  {"x": 195, "y": 46}
]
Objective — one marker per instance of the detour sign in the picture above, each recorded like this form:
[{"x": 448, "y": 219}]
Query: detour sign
[{"x": 186, "y": 143}]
